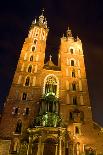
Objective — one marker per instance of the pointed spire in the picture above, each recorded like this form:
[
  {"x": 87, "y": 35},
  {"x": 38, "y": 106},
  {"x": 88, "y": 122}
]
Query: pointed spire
[
  {"x": 50, "y": 57},
  {"x": 69, "y": 33},
  {"x": 41, "y": 17},
  {"x": 45, "y": 22},
  {"x": 35, "y": 21},
  {"x": 42, "y": 11}
]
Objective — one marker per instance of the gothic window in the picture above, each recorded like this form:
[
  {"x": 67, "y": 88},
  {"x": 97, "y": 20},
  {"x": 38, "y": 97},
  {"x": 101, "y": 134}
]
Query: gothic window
[
  {"x": 74, "y": 100},
  {"x": 77, "y": 130},
  {"x": 71, "y": 116},
  {"x": 27, "y": 111},
  {"x": 71, "y": 50},
  {"x": 30, "y": 68},
  {"x": 31, "y": 58},
  {"x": 51, "y": 85},
  {"x": 24, "y": 97},
  {"x": 16, "y": 111},
  {"x": 73, "y": 73},
  {"x": 33, "y": 48},
  {"x": 18, "y": 127},
  {"x": 72, "y": 63},
  {"x": 73, "y": 86},
  {"x": 27, "y": 82},
  {"x": 35, "y": 41}
]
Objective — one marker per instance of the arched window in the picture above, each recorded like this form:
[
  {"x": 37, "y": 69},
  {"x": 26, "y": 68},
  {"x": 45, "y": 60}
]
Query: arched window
[
  {"x": 74, "y": 100},
  {"x": 31, "y": 58},
  {"x": 16, "y": 111},
  {"x": 76, "y": 130},
  {"x": 27, "y": 82},
  {"x": 71, "y": 50},
  {"x": 72, "y": 63},
  {"x": 35, "y": 41},
  {"x": 51, "y": 85},
  {"x": 24, "y": 97},
  {"x": 73, "y": 73},
  {"x": 33, "y": 48},
  {"x": 26, "y": 111},
  {"x": 18, "y": 127},
  {"x": 73, "y": 86},
  {"x": 30, "y": 68}
]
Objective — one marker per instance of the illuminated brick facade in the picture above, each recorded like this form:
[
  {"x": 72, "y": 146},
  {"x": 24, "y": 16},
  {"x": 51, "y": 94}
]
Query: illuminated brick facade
[{"x": 48, "y": 108}]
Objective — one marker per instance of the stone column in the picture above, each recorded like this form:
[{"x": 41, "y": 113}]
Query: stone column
[
  {"x": 39, "y": 152},
  {"x": 56, "y": 149},
  {"x": 42, "y": 149},
  {"x": 29, "y": 149},
  {"x": 60, "y": 146}
]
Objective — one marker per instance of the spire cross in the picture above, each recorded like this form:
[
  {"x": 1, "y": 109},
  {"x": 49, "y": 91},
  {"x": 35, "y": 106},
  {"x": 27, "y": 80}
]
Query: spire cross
[
  {"x": 42, "y": 11},
  {"x": 50, "y": 57}
]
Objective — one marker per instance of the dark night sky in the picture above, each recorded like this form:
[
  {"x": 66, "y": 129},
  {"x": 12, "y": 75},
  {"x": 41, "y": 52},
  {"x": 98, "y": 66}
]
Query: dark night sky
[{"x": 85, "y": 18}]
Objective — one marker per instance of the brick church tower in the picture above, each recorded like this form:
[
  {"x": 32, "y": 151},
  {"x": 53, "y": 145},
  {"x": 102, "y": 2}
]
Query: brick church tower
[{"x": 48, "y": 109}]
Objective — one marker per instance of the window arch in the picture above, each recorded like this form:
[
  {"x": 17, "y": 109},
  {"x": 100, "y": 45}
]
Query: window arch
[
  {"x": 76, "y": 130},
  {"x": 33, "y": 48},
  {"x": 31, "y": 58},
  {"x": 18, "y": 127},
  {"x": 35, "y": 41},
  {"x": 73, "y": 73},
  {"x": 71, "y": 50},
  {"x": 51, "y": 85},
  {"x": 72, "y": 62},
  {"x": 74, "y": 100},
  {"x": 24, "y": 96},
  {"x": 74, "y": 86},
  {"x": 27, "y": 81},
  {"x": 30, "y": 68}
]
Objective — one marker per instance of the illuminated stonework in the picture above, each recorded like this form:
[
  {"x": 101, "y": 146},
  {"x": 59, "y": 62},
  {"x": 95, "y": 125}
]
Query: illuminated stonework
[{"x": 48, "y": 111}]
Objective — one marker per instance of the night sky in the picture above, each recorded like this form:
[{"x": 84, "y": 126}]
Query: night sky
[{"x": 85, "y": 19}]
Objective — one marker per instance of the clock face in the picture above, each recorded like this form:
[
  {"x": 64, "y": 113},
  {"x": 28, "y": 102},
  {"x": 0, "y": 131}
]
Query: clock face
[{"x": 38, "y": 33}]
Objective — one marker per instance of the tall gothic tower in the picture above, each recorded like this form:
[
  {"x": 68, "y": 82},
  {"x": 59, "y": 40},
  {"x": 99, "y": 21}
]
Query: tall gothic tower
[{"x": 48, "y": 109}]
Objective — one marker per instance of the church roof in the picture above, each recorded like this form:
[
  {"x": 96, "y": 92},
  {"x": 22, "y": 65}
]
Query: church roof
[{"x": 50, "y": 65}]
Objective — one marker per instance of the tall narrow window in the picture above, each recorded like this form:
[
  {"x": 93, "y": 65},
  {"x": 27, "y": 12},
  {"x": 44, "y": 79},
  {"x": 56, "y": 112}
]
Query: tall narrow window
[
  {"x": 73, "y": 73},
  {"x": 76, "y": 130},
  {"x": 16, "y": 111},
  {"x": 27, "y": 82},
  {"x": 30, "y": 68},
  {"x": 71, "y": 50},
  {"x": 24, "y": 97},
  {"x": 18, "y": 127},
  {"x": 35, "y": 41},
  {"x": 31, "y": 58},
  {"x": 73, "y": 86},
  {"x": 33, "y": 48},
  {"x": 72, "y": 62},
  {"x": 27, "y": 111},
  {"x": 74, "y": 100}
]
